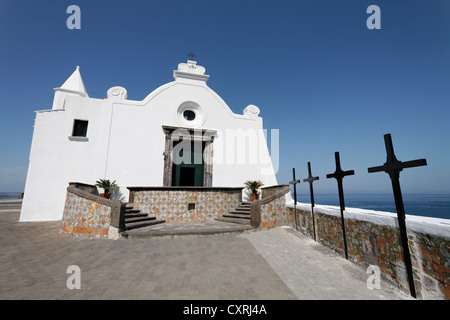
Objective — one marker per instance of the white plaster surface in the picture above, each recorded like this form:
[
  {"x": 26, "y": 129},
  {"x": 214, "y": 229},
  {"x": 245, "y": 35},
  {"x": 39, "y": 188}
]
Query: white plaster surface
[{"x": 125, "y": 140}]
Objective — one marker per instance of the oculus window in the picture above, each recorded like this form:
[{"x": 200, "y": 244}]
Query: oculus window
[
  {"x": 189, "y": 115},
  {"x": 79, "y": 128}
]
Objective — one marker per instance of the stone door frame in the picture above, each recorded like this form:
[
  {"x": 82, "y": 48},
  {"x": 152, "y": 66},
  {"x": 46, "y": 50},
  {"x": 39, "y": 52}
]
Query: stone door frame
[{"x": 204, "y": 135}]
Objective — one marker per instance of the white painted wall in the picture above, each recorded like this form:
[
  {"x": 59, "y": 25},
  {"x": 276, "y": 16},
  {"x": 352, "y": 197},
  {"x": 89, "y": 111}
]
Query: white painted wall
[{"x": 126, "y": 141}]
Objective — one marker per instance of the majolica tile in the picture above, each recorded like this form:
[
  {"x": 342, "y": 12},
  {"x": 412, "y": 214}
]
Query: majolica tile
[
  {"x": 82, "y": 216},
  {"x": 172, "y": 206}
]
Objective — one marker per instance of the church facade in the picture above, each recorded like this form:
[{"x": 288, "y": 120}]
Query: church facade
[{"x": 181, "y": 134}]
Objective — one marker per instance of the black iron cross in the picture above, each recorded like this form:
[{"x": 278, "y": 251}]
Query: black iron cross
[
  {"x": 310, "y": 180},
  {"x": 294, "y": 182},
  {"x": 339, "y": 175},
  {"x": 191, "y": 55},
  {"x": 392, "y": 166}
]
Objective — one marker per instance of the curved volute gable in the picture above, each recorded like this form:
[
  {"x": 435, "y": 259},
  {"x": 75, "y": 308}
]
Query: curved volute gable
[
  {"x": 171, "y": 102},
  {"x": 190, "y": 86}
]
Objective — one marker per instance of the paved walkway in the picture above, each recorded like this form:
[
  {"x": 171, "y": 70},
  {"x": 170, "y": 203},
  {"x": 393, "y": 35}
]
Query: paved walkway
[
  {"x": 271, "y": 265},
  {"x": 313, "y": 271},
  {"x": 10, "y": 205}
]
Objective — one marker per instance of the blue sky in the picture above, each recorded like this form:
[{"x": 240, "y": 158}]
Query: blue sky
[{"x": 315, "y": 70}]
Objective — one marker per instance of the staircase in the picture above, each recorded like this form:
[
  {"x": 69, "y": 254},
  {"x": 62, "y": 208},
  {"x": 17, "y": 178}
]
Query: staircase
[
  {"x": 240, "y": 215},
  {"x": 135, "y": 219}
]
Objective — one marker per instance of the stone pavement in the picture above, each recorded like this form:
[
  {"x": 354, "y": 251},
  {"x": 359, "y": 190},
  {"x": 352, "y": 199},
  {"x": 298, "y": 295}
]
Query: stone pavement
[
  {"x": 10, "y": 205},
  {"x": 276, "y": 264},
  {"x": 313, "y": 271}
]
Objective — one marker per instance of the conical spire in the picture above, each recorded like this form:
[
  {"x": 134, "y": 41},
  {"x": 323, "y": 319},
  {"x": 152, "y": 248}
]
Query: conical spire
[
  {"x": 75, "y": 83},
  {"x": 74, "y": 86}
]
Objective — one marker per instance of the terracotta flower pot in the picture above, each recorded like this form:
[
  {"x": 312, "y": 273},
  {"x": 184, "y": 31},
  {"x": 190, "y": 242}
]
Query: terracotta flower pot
[
  {"x": 254, "y": 196},
  {"x": 105, "y": 195}
]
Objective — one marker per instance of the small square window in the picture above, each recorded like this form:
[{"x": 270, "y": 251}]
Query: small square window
[
  {"x": 79, "y": 128},
  {"x": 191, "y": 206}
]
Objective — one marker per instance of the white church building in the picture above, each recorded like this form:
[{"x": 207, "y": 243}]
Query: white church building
[{"x": 181, "y": 134}]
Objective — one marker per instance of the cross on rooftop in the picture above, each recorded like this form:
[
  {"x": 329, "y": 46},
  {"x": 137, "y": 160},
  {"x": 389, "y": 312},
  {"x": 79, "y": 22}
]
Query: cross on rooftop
[
  {"x": 392, "y": 166},
  {"x": 191, "y": 55}
]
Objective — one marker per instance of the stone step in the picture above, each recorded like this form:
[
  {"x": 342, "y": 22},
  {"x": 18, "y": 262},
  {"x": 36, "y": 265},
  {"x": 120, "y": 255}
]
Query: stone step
[
  {"x": 145, "y": 217},
  {"x": 178, "y": 229},
  {"x": 236, "y": 215},
  {"x": 135, "y": 215},
  {"x": 135, "y": 219},
  {"x": 132, "y": 211},
  {"x": 234, "y": 220},
  {"x": 242, "y": 211},
  {"x": 135, "y": 225}
]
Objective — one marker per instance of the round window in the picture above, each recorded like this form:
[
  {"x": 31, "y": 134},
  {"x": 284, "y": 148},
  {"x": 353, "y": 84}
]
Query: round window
[{"x": 189, "y": 115}]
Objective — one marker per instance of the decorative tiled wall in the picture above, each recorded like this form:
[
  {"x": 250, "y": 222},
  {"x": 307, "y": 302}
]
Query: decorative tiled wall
[
  {"x": 196, "y": 205},
  {"x": 377, "y": 244},
  {"x": 85, "y": 217},
  {"x": 272, "y": 213}
]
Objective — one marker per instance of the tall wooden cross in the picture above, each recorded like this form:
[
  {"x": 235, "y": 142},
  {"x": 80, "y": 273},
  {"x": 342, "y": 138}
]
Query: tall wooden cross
[
  {"x": 191, "y": 55},
  {"x": 392, "y": 166},
  {"x": 310, "y": 180},
  {"x": 339, "y": 175},
  {"x": 294, "y": 182}
]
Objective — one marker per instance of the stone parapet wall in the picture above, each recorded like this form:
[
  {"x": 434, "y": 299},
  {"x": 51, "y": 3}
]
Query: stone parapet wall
[
  {"x": 185, "y": 204},
  {"x": 270, "y": 211},
  {"x": 373, "y": 238},
  {"x": 85, "y": 187},
  {"x": 88, "y": 215},
  {"x": 270, "y": 191},
  {"x": 85, "y": 217}
]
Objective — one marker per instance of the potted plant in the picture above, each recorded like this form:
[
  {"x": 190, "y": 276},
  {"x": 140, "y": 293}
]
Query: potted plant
[
  {"x": 107, "y": 185},
  {"x": 253, "y": 185}
]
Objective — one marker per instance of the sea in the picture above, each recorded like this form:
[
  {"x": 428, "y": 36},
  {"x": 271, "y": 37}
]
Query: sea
[
  {"x": 428, "y": 205},
  {"x": 9, "y": 195}
]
